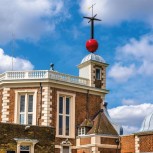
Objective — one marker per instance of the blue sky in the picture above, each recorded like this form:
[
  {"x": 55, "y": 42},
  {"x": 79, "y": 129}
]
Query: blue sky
[{"x": 47, "y": 31}]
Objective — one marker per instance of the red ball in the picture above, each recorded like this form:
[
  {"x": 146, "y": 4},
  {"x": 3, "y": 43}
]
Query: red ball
[{"x": 92, "y": 45}]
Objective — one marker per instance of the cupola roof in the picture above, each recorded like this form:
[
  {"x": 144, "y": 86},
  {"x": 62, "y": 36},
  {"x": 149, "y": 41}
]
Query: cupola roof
[
  {"x": 93, "y": 57},
  {"x": 147, "y": 124}
]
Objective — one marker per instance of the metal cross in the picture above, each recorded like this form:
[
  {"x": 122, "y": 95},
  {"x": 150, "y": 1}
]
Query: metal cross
[{"x": 92, "y": 19}]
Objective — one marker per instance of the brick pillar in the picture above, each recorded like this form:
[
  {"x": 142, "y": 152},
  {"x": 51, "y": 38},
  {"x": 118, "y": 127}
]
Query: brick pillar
[
  {"x": 5, "y": 104},
  {"x": 46, "y": 106}
]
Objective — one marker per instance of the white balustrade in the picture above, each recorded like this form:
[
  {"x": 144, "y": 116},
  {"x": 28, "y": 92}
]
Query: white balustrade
[{"x": 42, "y": 74}]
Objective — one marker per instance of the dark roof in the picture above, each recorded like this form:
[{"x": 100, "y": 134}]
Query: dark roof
[
  {"x": 87, "y": 123},
  {"x": 101, "y": 125},
  {"x": 144, "y": 133}
]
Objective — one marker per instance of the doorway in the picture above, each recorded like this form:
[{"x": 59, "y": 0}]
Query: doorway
[{"x": 66, "y": 149}]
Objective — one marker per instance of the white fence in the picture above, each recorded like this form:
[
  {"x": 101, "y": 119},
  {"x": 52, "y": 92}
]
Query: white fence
[{"x": 43, "y": 74}]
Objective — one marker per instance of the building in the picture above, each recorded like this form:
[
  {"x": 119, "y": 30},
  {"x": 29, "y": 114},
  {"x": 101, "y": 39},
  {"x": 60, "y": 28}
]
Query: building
[
  {"x": 45, "y": 111},
  {"x": 141, "y": 141},
  {"x": 73, "y": 106}
]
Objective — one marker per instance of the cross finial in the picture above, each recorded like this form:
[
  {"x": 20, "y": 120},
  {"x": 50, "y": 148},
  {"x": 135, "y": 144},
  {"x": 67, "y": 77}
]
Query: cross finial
[{"x": 92, "y": 19}]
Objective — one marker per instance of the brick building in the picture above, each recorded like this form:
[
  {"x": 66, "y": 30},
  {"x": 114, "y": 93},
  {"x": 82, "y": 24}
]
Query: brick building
[
  {"x": 73, "y": 106},
  {"x": 141, "y": 141}
]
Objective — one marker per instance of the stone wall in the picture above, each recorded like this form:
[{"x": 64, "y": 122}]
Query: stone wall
[{"x": 44, "y": 135}]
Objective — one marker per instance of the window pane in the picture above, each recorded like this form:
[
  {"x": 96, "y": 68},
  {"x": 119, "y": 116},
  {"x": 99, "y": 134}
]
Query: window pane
[
  {"x": 60, "y": 124},
  {"x": 22, "y": 103},
  {"x": 98, "y": 74},
  {"x": 30, "y": 119},
  {"x": 67, "y": 105},
  {"x": 83, "y": 131},
  {"x": 61, "y": 105},
  {"x": 30, "y": 104},
  {"x": 25, "y": 148},
  {"x": 67, "y": 125},
  {"x": 79, "y": 131},
  {"x": 21, "y": 118}
]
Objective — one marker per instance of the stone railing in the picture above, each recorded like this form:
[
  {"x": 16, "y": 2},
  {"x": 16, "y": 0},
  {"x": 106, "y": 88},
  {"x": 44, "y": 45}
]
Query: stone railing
[{"x": 42, "y": 74}]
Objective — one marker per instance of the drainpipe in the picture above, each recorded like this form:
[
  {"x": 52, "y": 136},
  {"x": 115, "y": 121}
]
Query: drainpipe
[
  {"x": 87, "y": 105},
  {"x": 117, "y": 143},
  {"x": 40, "y": 108}
]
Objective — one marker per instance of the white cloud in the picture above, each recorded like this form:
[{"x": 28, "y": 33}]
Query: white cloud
[
  {"x": 18, "y": 63},
  {"x": 121, "y": 73},
  {"x": 131, "y": 116},
  {"x": 140, "y": 51},
  {"x": 117, "y": 11},
  {"x": 129, "y": 102},
  {"x": 28, "y": 18}
]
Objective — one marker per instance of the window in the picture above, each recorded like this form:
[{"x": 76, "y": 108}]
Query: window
[
  {"x": 24, "y": 149},
  {"x": 98, "y": 76},
  {"x": 25, "y": 107},
  {"x": 82, "y": 131},
  {"x": 65, "y": 115}
]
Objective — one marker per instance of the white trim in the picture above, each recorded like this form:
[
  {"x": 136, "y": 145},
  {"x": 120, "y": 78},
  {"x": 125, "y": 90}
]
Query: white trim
[
  {"x": 72, "y": 114},
  {"x": 46, "y": 106},
  {"x": 95, "y": 135},
  {"x": 29, "y": 142},
  {"x": 5, "y": 105},
  {"x": 17, "y": 100},
  {"x": 97, "y": 145},
  {"x": 137, "y": 144},
  {"x": 81, "y": 131}
]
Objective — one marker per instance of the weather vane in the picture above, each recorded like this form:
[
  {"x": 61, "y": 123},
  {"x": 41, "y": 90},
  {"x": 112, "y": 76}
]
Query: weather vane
[
  {"x": 92, "y": 6},
  {"x": 92, "y": 44}
]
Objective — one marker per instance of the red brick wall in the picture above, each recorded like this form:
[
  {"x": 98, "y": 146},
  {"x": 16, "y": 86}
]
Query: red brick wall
[
  {"x": 84, "y": 151},
  {"x": 11, "y": 105},
  {"x": 128, "y": 144},
  {"x": 146, "y": 143},
  {"x": 107, "y": 150},
  {"x": 1, "y": 105},
  {"x": 110, "y": 141},
  {"x": 84, "y": 141},
  {"x": 93, "y": 104},
  {"x": 80, "y": 109}
]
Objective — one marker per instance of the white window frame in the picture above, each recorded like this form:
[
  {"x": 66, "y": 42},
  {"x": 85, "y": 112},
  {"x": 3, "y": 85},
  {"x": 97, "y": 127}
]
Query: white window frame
[
  {"x": 81, "y": 131},
  {"x": 96, "y": 74},
  {"x": 72, "y": 115},
  {"x": 18, "y": 93}
]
